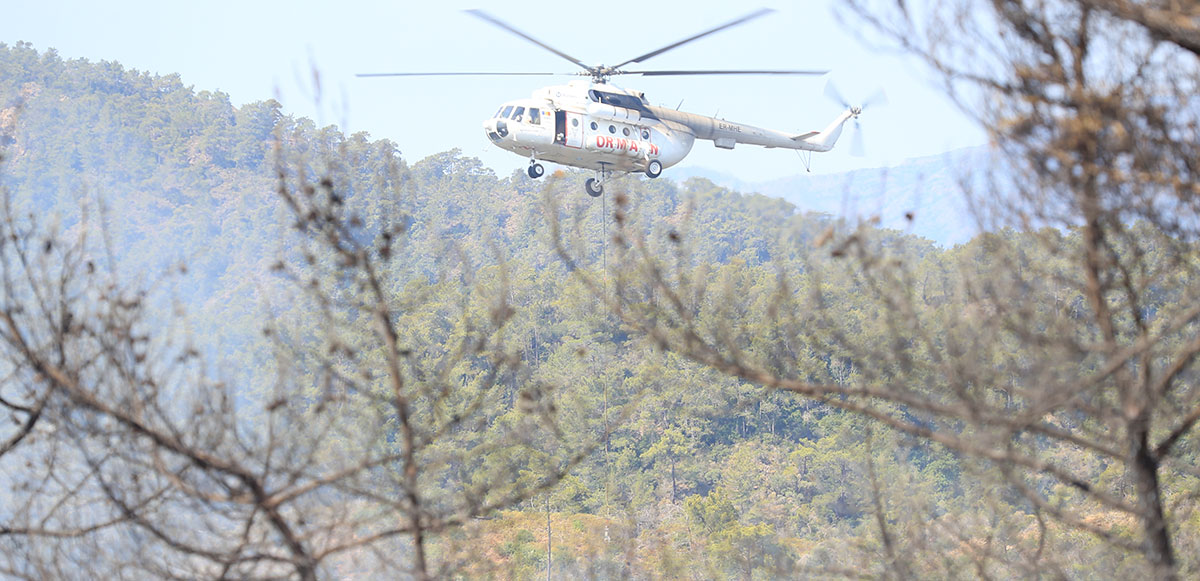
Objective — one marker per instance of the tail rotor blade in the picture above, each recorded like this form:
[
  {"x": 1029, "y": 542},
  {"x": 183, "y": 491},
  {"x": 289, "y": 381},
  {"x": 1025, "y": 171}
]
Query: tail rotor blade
[
  {"x": 857, "y": 149},
  {"x": 832, "y": 92},
  {"x": 877, "y": 99}
]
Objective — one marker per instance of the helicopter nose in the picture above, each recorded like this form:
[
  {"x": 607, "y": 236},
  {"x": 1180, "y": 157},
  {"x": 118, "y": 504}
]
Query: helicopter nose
[
  {"x": 495, "y": 129},
  {"x": 489, "y": 129}
]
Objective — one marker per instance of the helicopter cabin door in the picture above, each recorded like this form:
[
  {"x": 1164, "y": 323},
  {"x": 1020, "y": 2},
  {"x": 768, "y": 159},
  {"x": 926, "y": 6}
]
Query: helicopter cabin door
[{"x": 568, "y": 129}]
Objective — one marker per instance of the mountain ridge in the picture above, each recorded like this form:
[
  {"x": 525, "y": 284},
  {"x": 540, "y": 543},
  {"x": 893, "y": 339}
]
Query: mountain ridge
[{"x": 922, "y": 196}]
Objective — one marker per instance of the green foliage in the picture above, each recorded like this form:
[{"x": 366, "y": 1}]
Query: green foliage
[{"x": 733, "y": 547}]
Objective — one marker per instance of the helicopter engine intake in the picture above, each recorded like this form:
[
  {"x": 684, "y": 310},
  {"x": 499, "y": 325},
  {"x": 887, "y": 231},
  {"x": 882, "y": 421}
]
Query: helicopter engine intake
[{"x": 613, "y": 113}]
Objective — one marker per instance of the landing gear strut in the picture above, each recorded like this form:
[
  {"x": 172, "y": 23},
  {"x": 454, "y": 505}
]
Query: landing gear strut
[
  {"x": 536, "y": 170},
  {"x": 595, "y": 186}
]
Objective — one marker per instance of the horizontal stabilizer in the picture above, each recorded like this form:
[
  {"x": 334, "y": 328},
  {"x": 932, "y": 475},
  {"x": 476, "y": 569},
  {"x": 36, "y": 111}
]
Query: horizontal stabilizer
[{"x": 804, "y": 136}]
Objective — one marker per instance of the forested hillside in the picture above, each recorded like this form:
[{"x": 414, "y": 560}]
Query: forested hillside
[
  {"x": 920, "y": 196},
  {"x": 342, "y": 362}
]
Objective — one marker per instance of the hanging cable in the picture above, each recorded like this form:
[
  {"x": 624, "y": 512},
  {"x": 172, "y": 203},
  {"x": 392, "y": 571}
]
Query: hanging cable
[{"x": 805, "y": 158}]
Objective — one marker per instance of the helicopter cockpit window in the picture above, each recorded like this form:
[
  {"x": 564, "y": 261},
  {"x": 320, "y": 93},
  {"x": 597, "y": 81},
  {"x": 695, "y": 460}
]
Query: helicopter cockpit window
[
  {"x": 499, "y": 111},
  {"x": 535, "y": 116},
  {"x": 507, "y": 110},
  {"x": 518, "y": 113}
]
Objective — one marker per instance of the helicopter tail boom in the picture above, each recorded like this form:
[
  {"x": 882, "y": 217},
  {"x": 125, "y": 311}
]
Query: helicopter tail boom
[{"x": 825, "y": 140}]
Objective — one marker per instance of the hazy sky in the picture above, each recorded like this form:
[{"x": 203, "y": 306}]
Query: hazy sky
[{"x": 257, "y": 50}]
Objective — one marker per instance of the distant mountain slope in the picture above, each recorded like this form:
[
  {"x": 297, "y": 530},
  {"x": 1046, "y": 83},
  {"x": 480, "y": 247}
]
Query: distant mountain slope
[{"x": 925, "y": 187}]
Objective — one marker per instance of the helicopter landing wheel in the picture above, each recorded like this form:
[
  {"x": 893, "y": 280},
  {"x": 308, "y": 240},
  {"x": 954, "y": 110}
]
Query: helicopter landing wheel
[
  {"x": 654, "y": 169},
  {"x": 536, "y": 170},
  {"x": 593, "y": 187}
]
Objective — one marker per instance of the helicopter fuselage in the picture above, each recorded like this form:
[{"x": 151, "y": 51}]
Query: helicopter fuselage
[
  {"x": 605, "y": 128},
  {"x": 597, "y": 126}
]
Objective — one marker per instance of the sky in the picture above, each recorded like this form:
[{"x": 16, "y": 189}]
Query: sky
[{"x": 306, "y": 53}]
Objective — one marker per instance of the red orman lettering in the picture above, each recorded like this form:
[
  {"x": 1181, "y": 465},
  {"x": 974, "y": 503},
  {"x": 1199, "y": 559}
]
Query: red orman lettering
[{"x": 605, "y": 142}]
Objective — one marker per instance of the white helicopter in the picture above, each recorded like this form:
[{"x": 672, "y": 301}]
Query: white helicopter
[{"x": 601, "y": 127}]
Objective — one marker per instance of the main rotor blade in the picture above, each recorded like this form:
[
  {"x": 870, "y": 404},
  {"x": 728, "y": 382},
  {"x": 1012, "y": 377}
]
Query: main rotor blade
[
  {"x": 463, "y": 74},
  {"x": 877, "y": 99},
  {"x": 720, "y": 72},
  {"x": 496, "y": 21},
  {"x": 751, "y": 16}
]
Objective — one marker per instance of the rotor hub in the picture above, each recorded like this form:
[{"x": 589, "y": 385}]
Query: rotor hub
[{"x": 601, "y": 73}]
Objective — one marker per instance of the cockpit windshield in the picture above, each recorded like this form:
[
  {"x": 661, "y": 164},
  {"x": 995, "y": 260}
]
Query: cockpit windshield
[{"x": 519, "y": 114}]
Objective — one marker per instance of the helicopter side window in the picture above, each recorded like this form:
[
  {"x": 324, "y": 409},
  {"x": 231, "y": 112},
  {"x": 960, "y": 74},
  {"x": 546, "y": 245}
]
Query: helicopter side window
[
  {"x": 594, "y": 126},
  {"x": 507, "y": 110},
  {"x": 535, "y": 116},
  {"x": 625, "y": 131},
  {"x": 612, "y": 129},
  {"x": 517, "y": 114}
]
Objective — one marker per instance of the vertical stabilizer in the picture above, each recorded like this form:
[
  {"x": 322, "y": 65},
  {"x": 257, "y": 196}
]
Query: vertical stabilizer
[{"x": 827, "y": 138}]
